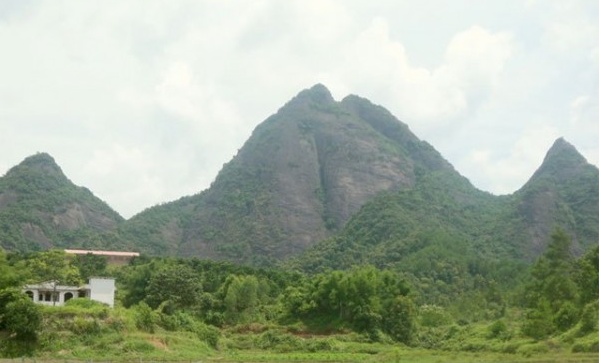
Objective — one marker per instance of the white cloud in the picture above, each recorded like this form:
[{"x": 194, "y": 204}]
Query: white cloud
[
  {"x": 524, "y": 156},
  {"x": 472, "y": 64}
]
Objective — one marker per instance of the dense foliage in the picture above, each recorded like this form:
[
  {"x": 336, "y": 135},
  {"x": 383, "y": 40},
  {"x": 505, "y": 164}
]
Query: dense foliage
[
  {"x": 40, "y": 206},
  {"x": 226, "y": 306}
]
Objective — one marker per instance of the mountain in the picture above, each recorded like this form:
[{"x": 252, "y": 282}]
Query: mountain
[
  {"x": 41, "y": 208},
  {"x": 564, "y": 191},
  {"x": 322, "y": 184},
  {"x": 298, "y": 179},
  {"x": 349, "y": 183},
  {"x": 443, "y": 221}
]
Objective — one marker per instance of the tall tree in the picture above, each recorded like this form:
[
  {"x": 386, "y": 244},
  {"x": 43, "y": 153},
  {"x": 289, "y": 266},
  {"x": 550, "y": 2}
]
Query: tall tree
[
  {"x": 51, "y": 265},
  {"x": 552, "y": 294},
  {"x": 177, "y": 285}
]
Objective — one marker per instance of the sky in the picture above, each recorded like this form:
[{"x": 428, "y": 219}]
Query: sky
[{"x": 143, "y": 101}]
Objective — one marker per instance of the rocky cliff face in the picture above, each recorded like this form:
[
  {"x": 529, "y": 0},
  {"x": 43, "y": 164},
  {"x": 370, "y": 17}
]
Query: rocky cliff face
[
  {"x": 563, "y": 192},
  {"x": 298, "y": 179},
  {"x": 345, "y": 180}
]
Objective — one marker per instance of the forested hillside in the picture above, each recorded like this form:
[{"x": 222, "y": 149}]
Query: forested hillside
[
  {"x": 41, "y": 208},
  {"x": 298, "y": 179},
  {"x": 352, "y": 181},
  {"x": 324, "y": 184},
  {"x": 190, "y": 309}
]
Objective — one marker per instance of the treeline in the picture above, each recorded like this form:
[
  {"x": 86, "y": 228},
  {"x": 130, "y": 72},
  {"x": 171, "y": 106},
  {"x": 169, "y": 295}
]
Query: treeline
[{"x": 556, "y": 296}]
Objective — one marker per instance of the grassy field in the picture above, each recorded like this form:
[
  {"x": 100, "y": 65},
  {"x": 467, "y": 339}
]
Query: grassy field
[
  {"x": 393, "y": 356},
  {"x": 249, "y": 347},
  {"x": 98, "y": 335}
]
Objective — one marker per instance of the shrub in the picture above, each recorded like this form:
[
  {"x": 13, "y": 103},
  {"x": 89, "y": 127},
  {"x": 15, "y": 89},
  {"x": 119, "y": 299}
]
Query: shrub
[
  {"x": 145, "y": 318},
  {"x": 497, "y": 329},
  {"x": 21, "y": 317},
  {"x": 566, "y": 316},
  {"x": 138, "y": 346},
  {"x": 537, "y": 324},
  {"x": 590, "y": 347},
  {"x": 207, "y": 333},
  {"x": 590, "y": 318},
  {"x": 85, "y": 327},
  {"x": 283, "y": 342},
  {"x": 433, "y": 316}
]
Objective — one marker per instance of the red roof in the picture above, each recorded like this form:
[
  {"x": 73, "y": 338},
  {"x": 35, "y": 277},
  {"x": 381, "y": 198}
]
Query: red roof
[{"x": 103, "y": 253}]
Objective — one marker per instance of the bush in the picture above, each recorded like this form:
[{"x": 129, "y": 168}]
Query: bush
[
  {"x": 590, "y": 318},
  {"x": 591, "y": 347},
  {"x": 145, "y": 318},
  {"x": 433, "y": 316},
  {"x": 138, "y": 346},
  {"x": 537, "y": 324},
  {"x": 85, "y": 327},
  {"x": 19, "y": 315},
  {"x": 530, "y": 349},
  {"x": 207, "y": 333},
  {"x": 497, "y": 329},
  {"x": 319, "y": 345},
  {"x": 566, "y": 316},
  {"x": 282, "y": 342}
]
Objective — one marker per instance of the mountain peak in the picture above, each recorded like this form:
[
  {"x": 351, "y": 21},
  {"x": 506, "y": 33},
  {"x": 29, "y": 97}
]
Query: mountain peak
[
  {"x": 562, "y": 155},
  {"x": 316, "y": 95},
  {"x": 562, "y": 163},
  {"x": 562, "y": 148},
  {"x": 41, "y": 162}
]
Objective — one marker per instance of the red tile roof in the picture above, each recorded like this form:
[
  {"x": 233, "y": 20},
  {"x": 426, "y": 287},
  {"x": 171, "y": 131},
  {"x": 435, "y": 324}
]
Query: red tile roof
[{"x": 103, "y": 253}]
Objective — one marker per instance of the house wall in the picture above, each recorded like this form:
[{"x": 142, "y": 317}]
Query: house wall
[
  {"x": 50, "y": 297},
  {"x": 103, "y": 290}
]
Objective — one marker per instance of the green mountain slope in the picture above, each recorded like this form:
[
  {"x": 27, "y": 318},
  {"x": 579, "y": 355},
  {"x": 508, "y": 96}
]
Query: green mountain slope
[
  {"x": 40, "y": 208},
  {"x": 298, "y": 179},
  {"x": 444, "y": 216},
  {"x": 331, "y": 184},
  {"x": 564, "y": 191}
]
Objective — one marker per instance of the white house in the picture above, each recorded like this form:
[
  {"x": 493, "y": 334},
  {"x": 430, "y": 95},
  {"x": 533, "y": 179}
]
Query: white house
[{"x": 101, "y": 289}]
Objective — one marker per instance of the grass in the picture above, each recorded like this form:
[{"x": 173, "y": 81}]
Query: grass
[{"x": 97, "y": 335}]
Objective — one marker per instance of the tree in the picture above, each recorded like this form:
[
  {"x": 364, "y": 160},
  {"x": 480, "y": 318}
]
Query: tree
[
  {"x": 177, "y": 285},
  {"x": 587, "y": 276},
  {"x": 551, "y": 292},
  {"x": 9, "y": 277},
  {"x": 241, "y": 298},
  {"x": 364, "y": 299},
  {"x": 19, "y": 316},
  {"x": 52, "y": 265},
  {"x": 90, "y": 265},
  {"x": 399, "y": 321}
]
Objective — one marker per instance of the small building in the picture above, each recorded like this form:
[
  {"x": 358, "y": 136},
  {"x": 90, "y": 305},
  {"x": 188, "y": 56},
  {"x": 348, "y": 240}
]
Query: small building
[
  {"x": 101, "y": 289},
  {"x": 113, "y": 257}
]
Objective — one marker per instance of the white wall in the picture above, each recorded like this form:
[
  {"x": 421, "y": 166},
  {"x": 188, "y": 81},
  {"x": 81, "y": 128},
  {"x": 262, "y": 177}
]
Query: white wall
[{"x": 102, "y": 290}]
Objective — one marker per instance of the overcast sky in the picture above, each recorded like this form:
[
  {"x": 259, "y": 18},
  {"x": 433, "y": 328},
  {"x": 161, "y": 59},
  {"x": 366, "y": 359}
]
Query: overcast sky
[{"x": 143, "y": 101}]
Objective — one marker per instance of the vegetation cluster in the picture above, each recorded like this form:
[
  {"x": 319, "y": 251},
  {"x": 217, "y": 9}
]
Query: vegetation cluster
[{"x": 171, "y": 308}]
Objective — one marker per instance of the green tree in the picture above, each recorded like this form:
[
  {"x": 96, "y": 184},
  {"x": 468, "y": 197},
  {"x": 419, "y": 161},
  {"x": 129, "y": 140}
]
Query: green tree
[
  {"x": 364, "y": 299},
  {"x": 52, "y": 265},
  {"x": 90, "y": 265},
  {"x": 399, "y": 321},
  {"x": 19, "y": 316},
  {"x": 9, "y": 277},
  {"x": 241, "y": 298},
  {"x": 587, "y": 276},
  {"x": 551, "y": 292},
  {"x": 177, "y": 286}
]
